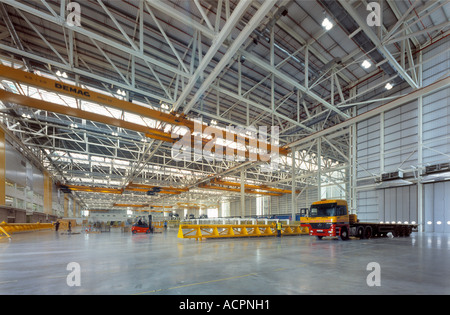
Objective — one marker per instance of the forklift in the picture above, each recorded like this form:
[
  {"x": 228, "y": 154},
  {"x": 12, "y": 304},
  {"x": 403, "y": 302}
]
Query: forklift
[{"x": 142, "y": 226}]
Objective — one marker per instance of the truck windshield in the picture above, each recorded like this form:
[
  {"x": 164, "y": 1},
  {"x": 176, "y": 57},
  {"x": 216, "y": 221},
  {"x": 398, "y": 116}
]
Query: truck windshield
[{"x": 323, "y": 210}]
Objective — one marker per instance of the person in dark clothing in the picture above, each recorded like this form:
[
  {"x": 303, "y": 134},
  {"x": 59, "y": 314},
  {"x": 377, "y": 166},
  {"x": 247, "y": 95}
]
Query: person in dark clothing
[{"x": 56, "y": 226}]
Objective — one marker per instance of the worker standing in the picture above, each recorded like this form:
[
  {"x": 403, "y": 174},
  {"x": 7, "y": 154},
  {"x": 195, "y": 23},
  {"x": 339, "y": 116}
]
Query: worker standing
[{"x": 279, "y": 229}]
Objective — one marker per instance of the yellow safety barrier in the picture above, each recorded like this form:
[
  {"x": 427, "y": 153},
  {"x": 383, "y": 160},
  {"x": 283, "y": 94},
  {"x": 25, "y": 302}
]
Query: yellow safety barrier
[
  {"x": 199, "y": 231},
  {"x": 4, "y": 232},
  {"x": 9, "y": 228}
]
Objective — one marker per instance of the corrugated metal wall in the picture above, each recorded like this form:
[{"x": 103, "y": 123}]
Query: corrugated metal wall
[
  {"x": 397, "y": 132},
  {"x": 400, "y": 137},
  {"x": 437, "y": 207},
  {"x": 398, "y": 204},
  {"x": 21, "y": 172},
  {"x": 368, "y": 144}
]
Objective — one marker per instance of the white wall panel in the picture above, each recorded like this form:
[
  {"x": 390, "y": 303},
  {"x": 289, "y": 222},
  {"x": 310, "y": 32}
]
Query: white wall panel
[
  {"x": 368, "y": 144},
  {"x": 367, "y": 206},
  {"x": 398, "y": 204},
  {"x": 436, "y": 127},
  {"x": 439, "y": 63},
  {"x": 437, "y": 207},
  {"x": 400, "y": 137},
  {"x": 436, "y": 106}
]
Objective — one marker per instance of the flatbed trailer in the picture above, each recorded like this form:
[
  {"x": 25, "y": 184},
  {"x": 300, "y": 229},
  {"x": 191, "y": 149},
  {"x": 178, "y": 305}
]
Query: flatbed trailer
[{"x": 330, "y": 218}]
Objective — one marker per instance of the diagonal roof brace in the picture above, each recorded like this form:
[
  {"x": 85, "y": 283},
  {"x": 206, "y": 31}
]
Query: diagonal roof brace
[{"x": 350, "y": 20}]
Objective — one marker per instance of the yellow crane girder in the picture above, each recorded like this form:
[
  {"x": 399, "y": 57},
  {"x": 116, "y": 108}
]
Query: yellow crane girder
[{"x": 99, "y": 98}]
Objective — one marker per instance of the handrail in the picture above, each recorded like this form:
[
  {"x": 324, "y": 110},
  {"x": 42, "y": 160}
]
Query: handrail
[
  {"x": 9, "y": 228},
  {"x": 200, "y": 231}
]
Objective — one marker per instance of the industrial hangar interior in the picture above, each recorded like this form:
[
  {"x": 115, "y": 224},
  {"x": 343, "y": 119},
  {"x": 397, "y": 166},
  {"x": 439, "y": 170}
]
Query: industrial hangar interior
[{"x": 162, "y": 147}]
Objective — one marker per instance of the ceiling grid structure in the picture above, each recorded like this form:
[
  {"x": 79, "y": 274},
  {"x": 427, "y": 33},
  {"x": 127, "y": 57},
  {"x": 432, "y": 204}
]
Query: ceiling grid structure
[{"x": 226, "y": 63}]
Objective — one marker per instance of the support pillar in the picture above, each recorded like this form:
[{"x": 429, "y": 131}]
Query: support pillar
[
  {"x": 293, "y": 193},
  {"x": 66, "y": 206},
  {"x": 242, "y": 194},
  {"x": 48, "y": 194},
  {"x": 2, "y": 168},
  {"x": 319, "y": 168},
  {"x": 420, "y": 200}
]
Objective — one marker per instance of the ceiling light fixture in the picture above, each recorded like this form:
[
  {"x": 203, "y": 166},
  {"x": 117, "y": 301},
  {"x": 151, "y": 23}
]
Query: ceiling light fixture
[
  {"x": 388, "y": 86},
  {"x": 61, "y": 74},
  {"x": 366, "y": 64},
  {"x": 327, "y": 24}
]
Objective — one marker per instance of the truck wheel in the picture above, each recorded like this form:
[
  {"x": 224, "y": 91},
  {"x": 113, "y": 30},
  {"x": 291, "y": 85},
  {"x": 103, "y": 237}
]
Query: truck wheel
[
  {"x": 395, "y": 232},
  {"x": 367, "y": 232},
  {"x": 344, "y": 234},
  {"x": 408, "y": 232},
  {"x": 360, "y": 232}
]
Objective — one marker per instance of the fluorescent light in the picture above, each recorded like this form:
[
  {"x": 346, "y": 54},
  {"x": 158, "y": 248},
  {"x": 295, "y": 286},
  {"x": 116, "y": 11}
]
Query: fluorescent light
[
  {"x": 63, "y": 74},
  {"x": 388, "y": 86},
  {"x": 366, "y": 64},
  {"x": 327, "y": 24}
]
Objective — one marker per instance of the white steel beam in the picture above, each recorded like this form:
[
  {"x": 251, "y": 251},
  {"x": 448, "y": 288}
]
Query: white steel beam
[
  {"x": 374, "y": 38},
  {"x": 217, "y": 43},
  {"x": 262, "y": 64},
  {"x": 173, "y": 13},
  {"x": 444, "y": 83},
  {"x": 56, "y": 20}
]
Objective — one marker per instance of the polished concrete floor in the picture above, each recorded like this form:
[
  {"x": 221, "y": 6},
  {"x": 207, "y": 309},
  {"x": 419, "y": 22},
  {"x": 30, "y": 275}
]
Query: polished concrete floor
[{"x": 162, "y": 264}]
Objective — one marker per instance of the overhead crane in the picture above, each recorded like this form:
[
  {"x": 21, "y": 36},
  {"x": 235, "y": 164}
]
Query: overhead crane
[
  {"x": 249, "y": 186},
  {"x": 175, "y": 119},
  {"x": 143, "y": 188},
  {"x": 249, "y": 191}
]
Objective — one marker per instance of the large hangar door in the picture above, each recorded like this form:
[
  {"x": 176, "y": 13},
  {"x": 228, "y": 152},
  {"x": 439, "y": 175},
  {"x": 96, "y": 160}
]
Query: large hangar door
[
  {"x": 437, "y": 207},
  {"x": 398, "y": 204}
]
